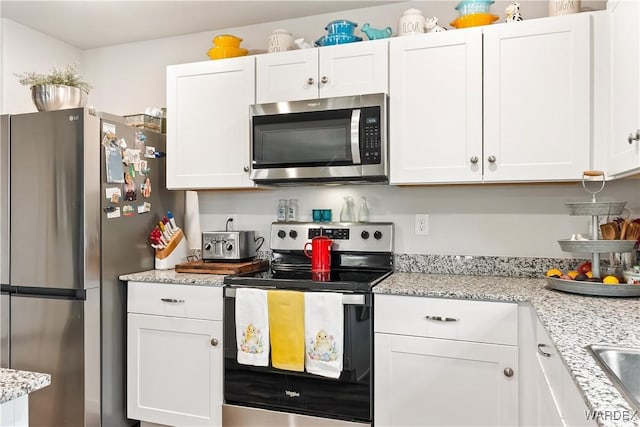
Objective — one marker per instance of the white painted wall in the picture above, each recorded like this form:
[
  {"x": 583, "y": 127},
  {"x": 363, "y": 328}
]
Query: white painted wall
[
  {"x": 491, "y": 220},
  {"x": 494, "y": 220},
  {"x": 24, "y": 49}
]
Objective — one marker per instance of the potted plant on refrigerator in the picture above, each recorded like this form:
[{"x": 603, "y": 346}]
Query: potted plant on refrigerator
[{"x": 61, "y": 88}]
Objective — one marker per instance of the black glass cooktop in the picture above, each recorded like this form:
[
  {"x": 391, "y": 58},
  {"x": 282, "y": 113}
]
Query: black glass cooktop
[{"x": 335, "y": 280}]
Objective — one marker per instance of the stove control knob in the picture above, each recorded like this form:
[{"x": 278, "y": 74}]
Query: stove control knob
[
  {"x": 364, "y": 234},
  {"x": 282, "y": 234},
  {"x": 207, "y": 246},
  {"x": 293, "y": 234},
  {"x": 229, "y": 247},
  {"x": 377, "y": 235}
]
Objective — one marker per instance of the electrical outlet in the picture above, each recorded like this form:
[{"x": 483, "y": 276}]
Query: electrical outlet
[
  {"x": 231, "y": 223},
  {"x": 422, "y": 224}
]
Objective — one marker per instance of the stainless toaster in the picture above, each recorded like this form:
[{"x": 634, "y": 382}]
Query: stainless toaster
[{"x": 228, "y": 245}]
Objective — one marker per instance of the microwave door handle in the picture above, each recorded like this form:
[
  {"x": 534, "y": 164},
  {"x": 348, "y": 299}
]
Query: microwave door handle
[{"x": 355, "y": 137}]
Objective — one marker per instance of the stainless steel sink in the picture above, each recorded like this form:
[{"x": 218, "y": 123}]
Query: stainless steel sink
[{"x": 622, "y": 366}]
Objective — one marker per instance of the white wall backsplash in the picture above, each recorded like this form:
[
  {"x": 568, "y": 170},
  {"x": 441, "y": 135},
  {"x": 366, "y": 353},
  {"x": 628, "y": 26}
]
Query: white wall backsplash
[
  {"x": 22, "y": 50},
  {"x": 490, "y": 220}
]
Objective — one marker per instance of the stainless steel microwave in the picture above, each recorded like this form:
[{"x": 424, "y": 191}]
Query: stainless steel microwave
[{"x": 342, "y": 139}]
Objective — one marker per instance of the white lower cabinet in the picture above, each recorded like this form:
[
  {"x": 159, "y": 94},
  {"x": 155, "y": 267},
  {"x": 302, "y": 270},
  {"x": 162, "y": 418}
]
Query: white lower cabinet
[
  {"x": 420, "y": 380},
  {"x": 174, "y": 354},
  {"x": 556, "y": 400}
]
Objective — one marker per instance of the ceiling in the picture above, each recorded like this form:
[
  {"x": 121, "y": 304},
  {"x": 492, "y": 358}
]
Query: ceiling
[{"x": 92, "y": 24}]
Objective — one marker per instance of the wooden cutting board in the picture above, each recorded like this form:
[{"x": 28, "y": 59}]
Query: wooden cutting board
[{"x": 206, "y": 267}]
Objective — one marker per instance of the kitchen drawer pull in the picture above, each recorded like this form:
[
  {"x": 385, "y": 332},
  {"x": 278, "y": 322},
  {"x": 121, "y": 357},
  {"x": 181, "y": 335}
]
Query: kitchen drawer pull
[
  {"x": 634, "y": 137},
  {"x": 542, "y": 352},
  {"x": 324, "y": 79},
  {"x": 310, "y": 81},
  {"x": 474, "y": 160},
  {"x": 491, "y": 159},
  {"x": 214, "y": 342},
  {"x": 171, "y": 300},
  {"x": 442, "y": 319}
]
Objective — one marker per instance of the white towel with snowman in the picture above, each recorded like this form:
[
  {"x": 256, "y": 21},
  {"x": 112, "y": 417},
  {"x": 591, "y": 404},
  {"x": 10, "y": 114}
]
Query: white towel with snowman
[
  {"x": 252, "y": 327},
  {"x": 323, "y": 333}
]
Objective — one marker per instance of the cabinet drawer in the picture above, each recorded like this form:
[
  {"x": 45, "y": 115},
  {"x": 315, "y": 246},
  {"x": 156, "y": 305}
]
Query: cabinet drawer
[
  {"x": 550, "y": 363},
  {"x": 479, "y": 321},
  {"x": 195, "y": 302}
]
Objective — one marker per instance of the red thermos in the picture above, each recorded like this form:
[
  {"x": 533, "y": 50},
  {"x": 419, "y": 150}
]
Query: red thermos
[{"x": 320, "y": 253}]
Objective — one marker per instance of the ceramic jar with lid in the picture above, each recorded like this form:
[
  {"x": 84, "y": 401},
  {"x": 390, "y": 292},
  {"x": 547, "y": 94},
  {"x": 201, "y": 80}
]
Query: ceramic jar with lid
[
  {"x": 563, "y": 7},
  {"x": 279, "y": 41},
  {"x": 411, "y": 22}
]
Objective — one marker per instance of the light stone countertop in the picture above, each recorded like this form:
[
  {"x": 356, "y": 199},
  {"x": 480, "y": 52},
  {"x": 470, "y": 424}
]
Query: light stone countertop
[
  {"x": 14, "y": 384},
  {"x": 171, "y": 277},
  {"x": 572, "y": 321}
]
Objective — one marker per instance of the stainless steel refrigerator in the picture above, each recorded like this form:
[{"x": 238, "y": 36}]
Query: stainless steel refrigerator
[{"x": 64, "y": 240}]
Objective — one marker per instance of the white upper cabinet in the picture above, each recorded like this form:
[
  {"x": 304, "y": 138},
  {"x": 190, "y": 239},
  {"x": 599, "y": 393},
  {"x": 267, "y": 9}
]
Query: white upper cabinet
[
  {"x": 435, "y": 111},
  {"x": 330, "y": 71},
  {"x": 208, "y": 123},
  {"x": 624, "y": 149},
  {"x": 537, "y": 99},
  {"x": 506, "y": 102}
]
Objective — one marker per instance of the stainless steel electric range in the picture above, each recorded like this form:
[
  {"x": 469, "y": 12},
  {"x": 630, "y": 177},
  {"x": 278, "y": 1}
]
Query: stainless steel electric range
[{"x": 361, "y": 256}]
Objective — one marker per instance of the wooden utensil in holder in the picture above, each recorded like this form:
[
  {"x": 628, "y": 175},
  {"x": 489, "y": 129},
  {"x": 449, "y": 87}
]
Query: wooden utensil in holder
[{"x": 174, "y": 253}]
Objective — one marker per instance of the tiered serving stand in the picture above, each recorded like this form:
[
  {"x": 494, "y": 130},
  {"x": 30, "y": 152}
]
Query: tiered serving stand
[{"x": 595, "y": 246}]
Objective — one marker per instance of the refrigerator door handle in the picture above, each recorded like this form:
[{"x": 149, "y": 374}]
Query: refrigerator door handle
[{"x": 33, "y": 291}]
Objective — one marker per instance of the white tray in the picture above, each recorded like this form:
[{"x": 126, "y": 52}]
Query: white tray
[
  {"x": 597, "y": 246},
  {"x": 593, "y": 288}
]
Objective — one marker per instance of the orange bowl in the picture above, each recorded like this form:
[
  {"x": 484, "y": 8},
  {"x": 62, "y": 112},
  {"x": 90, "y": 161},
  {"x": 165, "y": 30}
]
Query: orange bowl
[
  {"x": 227, "y": 40},
  {"x": 473, "y": 20},
  {"x": 221, "y": 52}
]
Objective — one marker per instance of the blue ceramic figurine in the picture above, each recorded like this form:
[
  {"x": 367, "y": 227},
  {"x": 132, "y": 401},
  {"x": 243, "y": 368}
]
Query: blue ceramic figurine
[{"x": 374, "y": 33}]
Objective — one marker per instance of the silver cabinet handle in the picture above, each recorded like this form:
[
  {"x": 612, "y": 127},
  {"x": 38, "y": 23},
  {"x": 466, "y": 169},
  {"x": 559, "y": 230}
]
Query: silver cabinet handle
[
  {"x": 171, "y": 300},
  {"x": 214, "y": 342},
  {"x": 442, "y": 319},
  {"x": 324, "y": 79},
  {"x": 508, "y": 372},
  {"x": 474, "y": 159},
  {"x": 491, "y": 159},
  {"x": 542, "y": 352},
  {"x": 634, "y": 137},
  {"x": 246, "y": 168},
  {"x": 310, "y": 81}
]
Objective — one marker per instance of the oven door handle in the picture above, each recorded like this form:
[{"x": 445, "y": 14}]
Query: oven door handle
[
  {"x": 347, "y": 299},
  {"x": 355, "y": 137}
]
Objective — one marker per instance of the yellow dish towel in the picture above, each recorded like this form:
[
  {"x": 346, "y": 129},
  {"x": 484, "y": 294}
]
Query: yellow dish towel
[{"x": 286, "y": 329}]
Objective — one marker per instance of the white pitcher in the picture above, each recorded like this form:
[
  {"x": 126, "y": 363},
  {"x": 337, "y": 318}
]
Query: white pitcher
[{"x": 279, "y": 41}]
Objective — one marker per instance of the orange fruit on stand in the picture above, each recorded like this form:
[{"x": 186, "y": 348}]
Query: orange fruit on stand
[
  {"x": 610, "y": 280},
  {"x": 554, "y": 272}
]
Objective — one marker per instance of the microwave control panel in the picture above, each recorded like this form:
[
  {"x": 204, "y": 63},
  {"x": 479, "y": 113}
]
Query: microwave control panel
[{"x": 371, "y": 141}]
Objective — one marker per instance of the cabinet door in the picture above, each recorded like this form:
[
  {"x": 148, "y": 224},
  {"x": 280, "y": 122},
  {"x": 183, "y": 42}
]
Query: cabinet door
[
  {"x": 424, "y": 381},
  {"x": 174, "y": 370},
  {"x": 208, "y": 123},
  {"x": 537, "y": 90},
  {"x": 287, "y": 76},
  {"x": 624, "y": 156},
  {"x": 435, "y": 112},
  {"x": 354, "y": 69}
]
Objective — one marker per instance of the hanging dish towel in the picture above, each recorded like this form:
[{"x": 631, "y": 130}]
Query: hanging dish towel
[
  {"x": 252, "y": 327},
  {"x": 286, "y": 329},
  {"x": 324, "y": 333}
]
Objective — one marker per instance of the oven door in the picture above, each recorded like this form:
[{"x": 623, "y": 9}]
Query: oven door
[
  {"x": 347, "y": 398},
  {"x": 326, "y": 139}
]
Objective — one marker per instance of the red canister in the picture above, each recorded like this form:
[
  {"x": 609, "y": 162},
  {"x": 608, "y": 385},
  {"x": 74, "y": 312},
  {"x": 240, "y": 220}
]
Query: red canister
[{"x": 320, "y": 253}]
